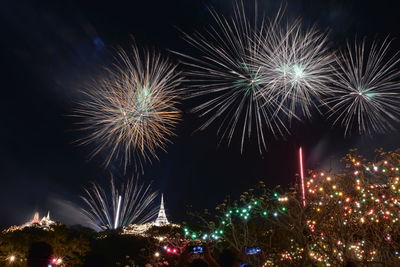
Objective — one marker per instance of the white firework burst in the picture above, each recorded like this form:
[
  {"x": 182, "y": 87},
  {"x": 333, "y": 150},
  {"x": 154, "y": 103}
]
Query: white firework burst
[
  {"x": 367, "y": 88},
  {"x": 119, "y": 205},
  {"x": 226, "y": 80},
  {"x": 295, "y": 66}
]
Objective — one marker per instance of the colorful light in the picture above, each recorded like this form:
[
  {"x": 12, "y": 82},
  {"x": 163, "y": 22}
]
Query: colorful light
[
  {"x": 56, "y": 261},
  {"x": 11, "y": 258}
]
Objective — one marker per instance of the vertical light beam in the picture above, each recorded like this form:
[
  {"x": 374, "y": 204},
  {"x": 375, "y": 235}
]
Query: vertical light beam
[
  {"x": 302, "y": 177},
  {"x": 118, "y": 210}
]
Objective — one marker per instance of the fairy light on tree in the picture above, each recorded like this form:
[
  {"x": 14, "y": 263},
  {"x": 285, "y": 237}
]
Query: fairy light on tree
[
  {"x": 11, "y": 259},
  {"x": 352, "y": 215}
]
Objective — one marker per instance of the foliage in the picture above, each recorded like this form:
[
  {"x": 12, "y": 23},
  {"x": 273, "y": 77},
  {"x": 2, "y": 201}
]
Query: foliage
[
  {"x": 112, "y": 248},
  {"x": 162, "y": 237},
  {"x": 351, "y": 216},
  {"x": 67, "y": 244},
  {"x": 354, "y": 215}
]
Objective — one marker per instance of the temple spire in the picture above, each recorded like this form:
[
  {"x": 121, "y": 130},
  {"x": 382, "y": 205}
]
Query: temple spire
[{"x": 162, "y": 217}]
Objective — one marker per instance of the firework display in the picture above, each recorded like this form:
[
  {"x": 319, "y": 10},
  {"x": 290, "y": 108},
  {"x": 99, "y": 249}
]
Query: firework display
[
  {"x": 254, "y": 74},
  {"x": 131, "y": 110},
  {"x": 225, "y": 75},
  {"x": 294, "y": 66},
  {"x": 367, "y": 88},
  {"x": 252, "y": 77},
  {"x": 119, "y": 205}
]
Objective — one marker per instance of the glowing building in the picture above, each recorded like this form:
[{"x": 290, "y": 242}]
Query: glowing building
[
  {"x": 44, "y": 223},
  {"x": 141, "y": 229}
]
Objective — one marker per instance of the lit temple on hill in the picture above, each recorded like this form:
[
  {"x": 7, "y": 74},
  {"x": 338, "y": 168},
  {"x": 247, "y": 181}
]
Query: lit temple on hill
[
  {"x": 162, "y": 217},
  {"x": 140, "y": 229},
  {"x": 44, "y": 223}
]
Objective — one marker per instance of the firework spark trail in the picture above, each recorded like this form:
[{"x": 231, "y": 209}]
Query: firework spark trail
[
  {"x": 131, "y": 110},
  {"x": 294, "y": 66},
  {"x": 225, "y": 75},
  {"x": 367, "y": 89},
  {"x": 303, "y": 190},
  {"x": 112, "y": 207}
]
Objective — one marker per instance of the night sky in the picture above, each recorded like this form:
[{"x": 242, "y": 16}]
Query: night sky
[{"x": 49, "y": 49}]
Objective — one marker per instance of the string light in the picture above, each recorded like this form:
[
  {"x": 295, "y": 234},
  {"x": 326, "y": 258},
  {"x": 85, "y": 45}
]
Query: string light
[{"x": 367, "y": 197}]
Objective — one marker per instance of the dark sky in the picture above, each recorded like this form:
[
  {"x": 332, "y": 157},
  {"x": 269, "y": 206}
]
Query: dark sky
[{"x": 50, "y": 48}]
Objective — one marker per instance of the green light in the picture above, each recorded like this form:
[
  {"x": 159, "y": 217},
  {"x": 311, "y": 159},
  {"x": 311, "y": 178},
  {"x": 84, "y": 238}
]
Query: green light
[
  {"x": 230, "y": 211},
  {"x": 221, "y": 231},
  {"x": 275, "y": 214},
  {"x": 283, "y": 69},
  {"x": 283, "y": 208},
  {"x": 275, "y": 194},
  {"x": 144, "y": 98},
  {"x": 264, "y": 213},
  {"x": 250, "y": 82},
  {"x": 365, "y": 92},
  {"x": 223, "y": 222},
  {"x": 298, "y": 72},
  {"x": 370, "y": 95},
  {"x": 194, "y": 236}
]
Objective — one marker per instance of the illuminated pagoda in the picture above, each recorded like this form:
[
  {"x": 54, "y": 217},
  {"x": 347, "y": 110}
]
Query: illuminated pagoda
[
  {"x": 44, "y": 223},
  {"x": 162, "y": 217},
  {"x": 141, "y": 229}
]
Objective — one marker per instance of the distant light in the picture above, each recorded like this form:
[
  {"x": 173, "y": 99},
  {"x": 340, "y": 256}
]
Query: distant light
[
  {"x": 11, "y": 258},
  {"x": 157, "y": 254},
  {"x": 56, "y": 261}
]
